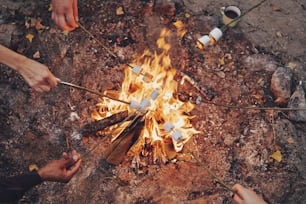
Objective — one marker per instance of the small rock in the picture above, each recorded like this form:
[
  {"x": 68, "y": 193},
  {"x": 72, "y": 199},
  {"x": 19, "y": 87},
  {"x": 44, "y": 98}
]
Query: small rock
[
  {"x": 198, "y": 100},
  {"x": 36, "y": 55},
  {"x": 220, "y": 74},
  {"x": 259, "y": 62},
  {"x": 281, "y": 84},
  {"x": 297, "y": 100},
  {"x": 279, "y": 34}
]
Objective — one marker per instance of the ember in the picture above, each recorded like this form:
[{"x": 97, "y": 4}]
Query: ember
[{"x": 151, "y": 89}]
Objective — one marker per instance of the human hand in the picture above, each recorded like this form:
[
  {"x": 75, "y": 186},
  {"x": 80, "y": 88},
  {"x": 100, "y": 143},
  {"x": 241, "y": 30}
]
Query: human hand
[
  {"x": 61, "y": 170},
  {"x": 37, "y": 75},
  {"x": 246, "y": 196},
  {"x": 65, "y": 14}
]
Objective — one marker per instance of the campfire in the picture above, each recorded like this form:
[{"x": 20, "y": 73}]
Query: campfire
[{"x": 153, "y": 122}]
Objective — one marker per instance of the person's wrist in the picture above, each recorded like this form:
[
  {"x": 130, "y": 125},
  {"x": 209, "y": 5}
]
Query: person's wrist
[
  {"x": 20, "y": 63},
  {"x": 42, "y": 174}
]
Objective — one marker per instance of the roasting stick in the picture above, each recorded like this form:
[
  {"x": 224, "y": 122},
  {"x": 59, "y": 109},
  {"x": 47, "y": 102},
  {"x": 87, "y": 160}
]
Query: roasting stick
[
  {"x": 213, "y": 175},
  {"x": 198, "y": 88},
  {"x": 92, "y": 91},
  {"x": 106, "y": 48}
]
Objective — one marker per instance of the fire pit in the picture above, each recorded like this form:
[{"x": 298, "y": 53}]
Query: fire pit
[{"x": 152, "y": 94}]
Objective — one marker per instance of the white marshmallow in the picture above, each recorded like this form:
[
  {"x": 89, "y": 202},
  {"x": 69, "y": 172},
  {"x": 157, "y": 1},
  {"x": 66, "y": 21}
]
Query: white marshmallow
[
  {"x": 177, "y": 135},
  {"x": 134, "y": 104},
  {"x": 154, "y": 94},
  {"x": 136, "y": 69},
  {"x": 216, "y": 34},
  {"x": 204, "y": 40},
  {"x": 144, "y": 103},
  {"x": 168, "y": 126}
]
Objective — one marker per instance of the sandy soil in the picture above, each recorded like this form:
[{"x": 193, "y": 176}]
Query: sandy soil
[{"x": 235, "y": 144}]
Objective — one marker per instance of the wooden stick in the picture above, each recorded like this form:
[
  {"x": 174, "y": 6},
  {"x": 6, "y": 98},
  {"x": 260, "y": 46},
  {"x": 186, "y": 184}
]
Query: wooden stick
[
  {"x": 125, "y": 140},
  {"x": 211, "y": 173}
]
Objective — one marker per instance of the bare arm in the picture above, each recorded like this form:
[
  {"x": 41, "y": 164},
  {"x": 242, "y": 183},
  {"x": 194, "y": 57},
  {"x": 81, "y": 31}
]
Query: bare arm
[{"x": 37, "y": 75}]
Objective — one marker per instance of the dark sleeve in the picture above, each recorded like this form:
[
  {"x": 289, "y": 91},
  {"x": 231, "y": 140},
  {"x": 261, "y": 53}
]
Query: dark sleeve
[{"x": 13, "y": 188}]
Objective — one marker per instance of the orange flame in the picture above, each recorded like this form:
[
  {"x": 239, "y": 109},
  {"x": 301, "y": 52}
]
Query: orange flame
[{"x": 164, "y": 108}]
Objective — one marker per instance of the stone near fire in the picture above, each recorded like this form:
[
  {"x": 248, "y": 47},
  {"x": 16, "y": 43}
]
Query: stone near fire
[
  {"x": 297, "y": 100},
  {"x": 259, "y": 62},
  {"x": 281, "y": 84}
]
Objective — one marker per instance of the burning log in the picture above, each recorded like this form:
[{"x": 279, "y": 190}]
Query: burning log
[
  {"x": 124, "y": 141},
  {"x": 95, "y": 126}
]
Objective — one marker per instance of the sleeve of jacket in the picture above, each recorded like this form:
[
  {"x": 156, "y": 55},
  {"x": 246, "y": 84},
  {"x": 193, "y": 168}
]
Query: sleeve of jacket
[{"x": 13, "y": 188}]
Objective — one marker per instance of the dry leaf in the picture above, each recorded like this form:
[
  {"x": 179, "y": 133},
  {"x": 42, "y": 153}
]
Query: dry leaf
[
  {"x": 187, "y": 15},
  {"x": 119, "y": 11},
  {"x": 50, "y": 7},
  {"x": 277, "y": 156},
  {"x": 220, "y": 74},
  {"x": 180, "y": 28},
  {"x": 30, "y": 37},
  {"x": 36, "y": 55},
  {"x": 221, "y": 61},
  {"x": 39, "y": 26},
  {"x": 52, "y": 30},
  {"x": 276, "y": 8},
  {"x": 27, "y": 24},
  {"x": 280, "y": 100},
  {"x": 291, "y": 65},
  {"x": 290, "y": 140},
  {"x": 228, "y": 56},
  {"x": 33, "y": 167},
  {"x": 279, "y": 34},
  {"x": 66, "y": 32}
]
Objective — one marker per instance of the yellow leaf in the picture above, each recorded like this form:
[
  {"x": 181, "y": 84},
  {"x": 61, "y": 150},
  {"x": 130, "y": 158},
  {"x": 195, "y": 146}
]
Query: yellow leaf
[
  {"x": 119, "y": 11},
  {"x": 33, "y": 167},
  {"x": 221, "y": 61},
  {"x": 180, "y": 27},
  {"x": 187, "y": 15},
  {"x": 36, "y": 55},
  {"x": 291, "y": 65},
  {"x": 30, "y": 37},
  {"x": 277, "y": 156}
]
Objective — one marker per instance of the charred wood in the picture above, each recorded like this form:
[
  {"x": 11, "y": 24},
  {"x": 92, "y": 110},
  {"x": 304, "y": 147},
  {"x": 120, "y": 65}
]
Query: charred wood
[
  {"x": 96, "y": 126},
  {"x": 118, "y": 149}
]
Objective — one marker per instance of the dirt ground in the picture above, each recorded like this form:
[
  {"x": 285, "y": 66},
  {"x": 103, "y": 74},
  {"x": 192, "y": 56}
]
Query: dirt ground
[{"x": 236, "y": 144}]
